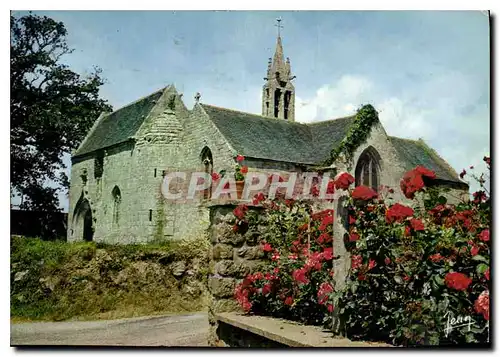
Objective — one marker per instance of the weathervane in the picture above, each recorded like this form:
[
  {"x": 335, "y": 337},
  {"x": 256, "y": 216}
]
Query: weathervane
[{"x": 278, "y": 25}]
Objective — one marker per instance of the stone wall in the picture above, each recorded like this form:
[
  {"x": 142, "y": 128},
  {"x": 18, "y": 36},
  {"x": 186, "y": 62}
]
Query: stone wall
[{"x": 233, "y": 256}]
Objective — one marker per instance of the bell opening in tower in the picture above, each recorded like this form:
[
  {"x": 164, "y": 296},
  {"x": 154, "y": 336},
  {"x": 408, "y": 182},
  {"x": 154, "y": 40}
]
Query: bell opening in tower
[
  {"x": 288, "y": 95},
  {"x": 277, "y": 96}
]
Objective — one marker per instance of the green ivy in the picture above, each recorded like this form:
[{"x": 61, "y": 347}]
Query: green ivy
[{"x": 366, "y": 116}]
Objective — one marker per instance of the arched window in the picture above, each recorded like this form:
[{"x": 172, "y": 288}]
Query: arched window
[
  {"x": 208, "y": 167},
  {"x": 117, "y": 198},
  {"x": 368, "y": 169}
]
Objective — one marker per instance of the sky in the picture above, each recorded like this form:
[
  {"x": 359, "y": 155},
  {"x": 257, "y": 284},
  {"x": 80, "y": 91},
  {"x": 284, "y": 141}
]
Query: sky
[{"x": 426, "y": 72}]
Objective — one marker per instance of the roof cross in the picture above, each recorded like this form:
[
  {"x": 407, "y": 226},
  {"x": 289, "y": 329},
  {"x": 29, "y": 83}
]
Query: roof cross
[{"x": 278, "y": 25}]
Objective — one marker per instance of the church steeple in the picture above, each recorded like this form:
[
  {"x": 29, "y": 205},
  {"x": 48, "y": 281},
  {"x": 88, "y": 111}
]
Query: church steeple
[{"x": 278, "y": 96}]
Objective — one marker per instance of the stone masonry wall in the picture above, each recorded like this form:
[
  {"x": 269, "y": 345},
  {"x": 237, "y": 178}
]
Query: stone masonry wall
[{"x": 233, "y": 257}]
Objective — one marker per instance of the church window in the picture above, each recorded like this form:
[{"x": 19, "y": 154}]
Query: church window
[
  {"x": 150, "y": 215},
  {"x": 117, "y": 198},
  {"x": 207, "y": 162},
  {"x": 368, "y": 169},
  {"x": 99, "y": 165},
  {"x": 155, "y": 173},
  {"x": 267, "y": 92}
]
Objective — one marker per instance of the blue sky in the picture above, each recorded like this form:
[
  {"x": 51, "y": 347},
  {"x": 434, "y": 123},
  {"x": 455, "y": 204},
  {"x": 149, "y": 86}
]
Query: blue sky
[{"x": 426, "y": 72}]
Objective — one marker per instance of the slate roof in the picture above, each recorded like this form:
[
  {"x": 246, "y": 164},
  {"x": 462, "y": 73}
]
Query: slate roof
[
  {"x": 120, "y": 125},
  {"x": 416, "y": 152},
  {"x": 268, "y": 138}
]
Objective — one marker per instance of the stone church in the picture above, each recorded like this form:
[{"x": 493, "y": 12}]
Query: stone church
[{"x": 118, "y": 169}]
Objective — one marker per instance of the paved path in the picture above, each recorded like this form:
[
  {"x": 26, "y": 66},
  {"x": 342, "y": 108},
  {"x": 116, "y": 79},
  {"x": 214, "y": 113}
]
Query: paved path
[{"x": 172, "y": 330}]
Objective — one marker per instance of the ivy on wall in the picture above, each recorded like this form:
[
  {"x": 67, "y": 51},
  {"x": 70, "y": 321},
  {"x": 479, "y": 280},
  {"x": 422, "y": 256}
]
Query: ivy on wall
[{"x": 365, "y": 117}]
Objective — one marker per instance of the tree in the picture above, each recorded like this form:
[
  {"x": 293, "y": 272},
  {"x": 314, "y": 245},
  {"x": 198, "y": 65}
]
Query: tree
[{"x": 52, "y": 108}]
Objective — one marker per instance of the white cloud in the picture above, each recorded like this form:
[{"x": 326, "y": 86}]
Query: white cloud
[{"x": 334, "y": 100}]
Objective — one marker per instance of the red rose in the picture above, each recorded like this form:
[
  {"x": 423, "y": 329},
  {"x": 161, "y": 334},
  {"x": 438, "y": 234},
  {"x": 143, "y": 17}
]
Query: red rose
[
  {"x": 323, "y": 291},
  {"x": 259, "y": 197},
  {"x": 413, "y": 182},
  {"x": 353, "y": 237},
  {"x": 361, "y": 277},
  {"x": 330, "y": 308},
  {"x": 371, "y": 264},
  {"x": 474, "y": 251},
  {"x": 410, "y": 183},
  {"x": 267, "y": 247},
  {"x": 266, "y": 289},
  {"x": 417, "y": 224},
  {"x": 356, "y": 261},
  {"x": 352, "y": 219},
  {"x": 215, "y": 176},
  {"x": 479, "y": 196},
  {"x": 344, "y": 181},
  {"x": 457, "y": 281},
  {"x": 425, "y": 172},
  {"x": 244, "y": 169},
  {"x": 435, "y": 257},
  {"x": 328, "y": 253},
  {"x": 485, "y": 235},
  {"x": 240, "y": 158},
  {"x": 397, "y": 213},
  {"x": 299, "y": 276},
  {"x": 328, "y": 220},
  {"x": 324, "y": 238},
  {"x": 240, "y": 211},
  {"x": 387, "y": 260},
  {"x": 289, "y": 301},
  {"x": 482, "y": 304},
  {"x": 322, "y": 214},
  {"x": 276, "y": 256},
  {"x": 364, "y": 193},
  {"x": 331, "y": 187}
]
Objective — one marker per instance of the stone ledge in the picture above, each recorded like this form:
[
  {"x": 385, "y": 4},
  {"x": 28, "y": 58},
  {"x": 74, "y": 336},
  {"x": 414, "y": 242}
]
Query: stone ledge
[{"x": 290, "y": 333}]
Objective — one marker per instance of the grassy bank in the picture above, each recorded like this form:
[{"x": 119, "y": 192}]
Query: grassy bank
[{"x": 59, "y": 281}]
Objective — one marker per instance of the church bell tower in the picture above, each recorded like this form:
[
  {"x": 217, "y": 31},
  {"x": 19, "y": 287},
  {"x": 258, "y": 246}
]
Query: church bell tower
[{"x": 278, "y": 95}]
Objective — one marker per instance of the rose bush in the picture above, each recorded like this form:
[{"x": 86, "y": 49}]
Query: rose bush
[{"x": 412, "y": 268}]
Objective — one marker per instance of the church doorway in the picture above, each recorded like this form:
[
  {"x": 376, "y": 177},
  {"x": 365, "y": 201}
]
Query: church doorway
[
  {"x": 82, "y": 221},
  {"x": 88, "y": 233}
]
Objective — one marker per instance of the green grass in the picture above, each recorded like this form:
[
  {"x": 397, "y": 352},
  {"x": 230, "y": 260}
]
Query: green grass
[{"x": 59, "y": 281}]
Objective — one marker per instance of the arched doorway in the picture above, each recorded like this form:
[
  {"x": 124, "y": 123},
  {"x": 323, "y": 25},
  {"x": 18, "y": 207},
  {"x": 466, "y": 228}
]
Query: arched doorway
[
  {"x": 82, "y": 220},
  {"x": 88, "y": 232}
]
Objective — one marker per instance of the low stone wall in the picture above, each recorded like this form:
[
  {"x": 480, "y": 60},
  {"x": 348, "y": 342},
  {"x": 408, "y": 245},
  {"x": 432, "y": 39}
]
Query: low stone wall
[{"x": 237, "y": 330}]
